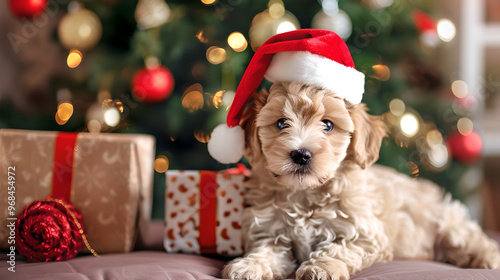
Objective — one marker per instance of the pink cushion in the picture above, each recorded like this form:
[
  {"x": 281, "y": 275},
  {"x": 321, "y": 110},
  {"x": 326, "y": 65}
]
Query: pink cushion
[{"x": 160, "y": 265}]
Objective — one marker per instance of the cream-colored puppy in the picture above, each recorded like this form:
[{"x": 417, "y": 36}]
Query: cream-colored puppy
[{"x": 318, "y": 205}]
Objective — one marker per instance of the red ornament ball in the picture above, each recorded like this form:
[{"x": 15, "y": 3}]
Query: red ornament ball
[
  {"x": 28, "y": 8},
  {"x": 152, "y": 85},
  {"x": 49, "y": 230},
  {"x": 465, "y": 148}
]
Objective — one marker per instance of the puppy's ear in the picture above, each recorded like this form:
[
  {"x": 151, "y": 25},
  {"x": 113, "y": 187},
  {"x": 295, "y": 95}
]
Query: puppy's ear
[
  {"x": 367, "y": 136},
  {"x": 253, "y": 150}
]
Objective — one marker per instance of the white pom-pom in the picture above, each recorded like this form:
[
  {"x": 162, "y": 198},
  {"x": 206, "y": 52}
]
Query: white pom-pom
[{"x": 227, "y": 144}]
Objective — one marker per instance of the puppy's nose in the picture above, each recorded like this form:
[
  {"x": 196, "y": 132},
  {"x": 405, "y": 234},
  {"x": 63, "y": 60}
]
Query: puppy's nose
[{"x": 301, "y": 156}]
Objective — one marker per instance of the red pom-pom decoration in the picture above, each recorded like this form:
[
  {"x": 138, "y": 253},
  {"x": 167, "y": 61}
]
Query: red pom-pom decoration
[
  {"x": 152, "y": 85},
  {"x": 465, "y": 148},
  {"x": 28, "y": 8},
  {"x": 49, "y": 230}
]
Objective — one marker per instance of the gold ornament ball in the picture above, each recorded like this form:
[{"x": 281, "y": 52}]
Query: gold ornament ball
[{"x": 80, "y": 30}]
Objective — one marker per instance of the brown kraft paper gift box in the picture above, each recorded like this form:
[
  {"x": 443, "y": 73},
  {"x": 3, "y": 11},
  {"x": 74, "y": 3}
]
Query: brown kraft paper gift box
[{"x": 111, "y": 185}]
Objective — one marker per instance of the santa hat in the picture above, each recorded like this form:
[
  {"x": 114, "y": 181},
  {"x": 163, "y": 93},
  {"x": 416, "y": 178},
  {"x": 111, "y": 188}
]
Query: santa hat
[{"x": 309, "y": 56}]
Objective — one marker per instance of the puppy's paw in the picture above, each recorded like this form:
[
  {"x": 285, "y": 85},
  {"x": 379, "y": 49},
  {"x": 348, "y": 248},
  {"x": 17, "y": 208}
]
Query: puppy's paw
[
  {"x": 322, "y": 269},
  {"x": 247, "y": 269}
]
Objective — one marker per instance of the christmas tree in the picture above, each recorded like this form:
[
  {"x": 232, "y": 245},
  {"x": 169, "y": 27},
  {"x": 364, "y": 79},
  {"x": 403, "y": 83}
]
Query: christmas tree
[{"x": 170, "y": 69}]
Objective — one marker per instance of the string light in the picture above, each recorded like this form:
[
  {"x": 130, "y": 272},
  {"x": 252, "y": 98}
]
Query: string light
[
  {"x": 216, "y": 55},
  {"x": 446, "y": 30},
  {"x": 237, "y": 41},
  {"x": 460, "y": 88},
  {"x": 409, "y": 125},
  {"x": 74, "y": 58},
  {"x": 161, "y": 164}
]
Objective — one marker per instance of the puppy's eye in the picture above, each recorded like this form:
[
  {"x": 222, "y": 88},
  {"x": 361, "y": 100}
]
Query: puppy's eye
[
  {"x": 328, "y": 126},
  {"x": 280, "y": 124}
]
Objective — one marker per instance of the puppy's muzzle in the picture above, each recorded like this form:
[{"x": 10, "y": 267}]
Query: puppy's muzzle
[{"x": 301, "y": 156}]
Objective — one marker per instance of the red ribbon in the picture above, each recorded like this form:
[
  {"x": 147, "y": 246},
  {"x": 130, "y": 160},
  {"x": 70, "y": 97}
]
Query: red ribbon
[
  {"x": 62, "y": 172},
  {"x": 208, "y": 212}
]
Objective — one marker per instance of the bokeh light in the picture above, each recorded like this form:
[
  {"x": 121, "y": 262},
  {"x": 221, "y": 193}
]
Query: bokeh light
[
  {"x": 192, "y": 99},
  {"x": 217, "y": 100},
  {"x": 202, "y": 136},
  {"x": 409, "y": 124},
  {"x": 465, "y": 126},
  {"x": 460, "y": 88},
  {"x": 64, "y": 112},
  {"x": 94, "y": 127},
  {"x": 381, "y": 72},
  {"x": 446, "y": 30},
  {"x": 112, "y": 116},
  {"x": 397, "y": 107},
  {"x": 276, "y": 9},
  {"x": 415, "y": 171},
  {"x": 216, "y": 55},
  {"x": 74, "y": 58},
  {"x": 237, "y": 41},
  {"x": 285, "y": 26},
  {"x": 161, "y": 164},
  {"x": 208, "y": 2},
  {"x": 434, "y": 138},
  {"x": 438, "y": 156}
]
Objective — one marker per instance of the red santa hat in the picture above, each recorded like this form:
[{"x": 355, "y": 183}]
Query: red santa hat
[{"x": 309, "y": 56}]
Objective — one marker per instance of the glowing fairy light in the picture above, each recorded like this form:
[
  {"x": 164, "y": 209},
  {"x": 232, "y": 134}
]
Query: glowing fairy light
[
  {"x": 409, "y": 124},
  {"x": 438, "y": 156},
  {"x": 64, "y": 112},
  {"x": 74, "y": 58},
  {"x": 237, "y": 41},
  {"x": 216, "y": 55},
  {"x": 217, "y": 100},
  {"x": 381, "y": 72},
  {"x": 202, "y": 136},
  {"x": 161, "y": 164},
  {"x": 446, "y": 30},
  {"x": 112, "y": 116},
  {"x": 208, "y": 2}
]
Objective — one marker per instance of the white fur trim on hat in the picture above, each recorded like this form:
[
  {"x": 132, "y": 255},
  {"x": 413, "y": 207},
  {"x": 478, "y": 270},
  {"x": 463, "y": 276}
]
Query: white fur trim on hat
[
  {"x": 227, "y": 144},
  {"x": 316, "y": 70}
]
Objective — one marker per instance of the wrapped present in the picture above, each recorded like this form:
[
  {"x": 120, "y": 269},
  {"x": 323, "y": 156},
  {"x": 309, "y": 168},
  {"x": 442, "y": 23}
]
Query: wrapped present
[
  {"x": 203, "y": 212},
  {"x": 107, "y": 177}
]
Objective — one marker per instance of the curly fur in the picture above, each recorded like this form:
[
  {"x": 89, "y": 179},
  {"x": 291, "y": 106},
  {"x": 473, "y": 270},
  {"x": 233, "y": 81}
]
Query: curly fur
[{"x": 338, "y": 214}]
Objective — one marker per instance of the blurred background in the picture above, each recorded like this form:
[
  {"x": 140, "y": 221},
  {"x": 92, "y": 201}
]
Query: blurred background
[{"x": 169, "y": 68}]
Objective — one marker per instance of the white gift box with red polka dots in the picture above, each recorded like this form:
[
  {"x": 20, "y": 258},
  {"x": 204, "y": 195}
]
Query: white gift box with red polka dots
[{"x": 203, "y": 212}]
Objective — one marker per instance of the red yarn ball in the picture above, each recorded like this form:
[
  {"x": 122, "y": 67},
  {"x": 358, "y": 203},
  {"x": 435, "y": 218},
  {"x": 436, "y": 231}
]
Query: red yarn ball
[
  {"x": 28, "y": 8},
  {"x": 465, "y": 148},
  {"x": 46, "y": 231},
  {"x": 153, "y": 85}
]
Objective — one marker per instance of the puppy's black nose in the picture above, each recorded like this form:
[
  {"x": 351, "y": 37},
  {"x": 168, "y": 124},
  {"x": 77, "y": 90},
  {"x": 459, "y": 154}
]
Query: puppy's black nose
[{"x": 301, "y": 156}]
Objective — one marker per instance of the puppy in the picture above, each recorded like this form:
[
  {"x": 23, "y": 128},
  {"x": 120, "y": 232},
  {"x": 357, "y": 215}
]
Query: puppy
[{"x": 316, "y": 202}]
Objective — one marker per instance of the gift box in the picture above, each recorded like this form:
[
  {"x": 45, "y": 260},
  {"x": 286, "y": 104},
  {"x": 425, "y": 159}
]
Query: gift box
[
  {"x": 107, "y": 177},
  {"x": 203, "y": 212}
]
